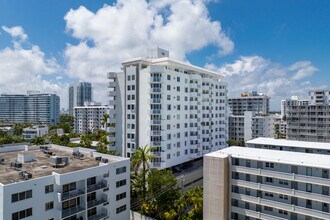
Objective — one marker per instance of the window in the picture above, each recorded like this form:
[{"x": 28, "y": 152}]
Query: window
[
  {"x": 283, "y": 182},
  {"x": 69, "y": 187},
  {"x": 178, "y": 79},
  {"x": 168, "y": 87},
  {"x": 267, "y": 208},
  {"x": 49, "y": 205},
  {"x": 120, "y": 183},
  {"x": 121, "y": 209},
  {"x": 91, "y": 181},
  {"x": 285, "y": 197},
  {"x": 120, "y": 170},
  {"x": 21, "y": 196},
  {"x": 121, "y": 196},
  {"x": 269, "y": 179},
  {"x": 270, "y": 165},
  {"x": 49, "y": 188},
  {"x": 22, "y": 214},
  {"x": 168, "y": 77},
  {"x": 91, "y": 212},
  {"x": 308, "y": 187}
]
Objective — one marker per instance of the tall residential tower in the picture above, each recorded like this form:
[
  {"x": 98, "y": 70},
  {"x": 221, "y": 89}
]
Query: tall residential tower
[
  {"x": 179, "y": 108},
  {"x": 79, "y": 93}
]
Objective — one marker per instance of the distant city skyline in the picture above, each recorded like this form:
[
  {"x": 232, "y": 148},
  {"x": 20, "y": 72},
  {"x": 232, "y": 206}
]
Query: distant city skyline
[{"x": 264, "y": 46}]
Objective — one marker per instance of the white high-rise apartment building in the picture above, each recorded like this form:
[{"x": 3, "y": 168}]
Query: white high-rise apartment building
[
  {"x": 179, "y": 108},
  {"x": 295, "y": 100},
  {"x": 310, "y": 121},
  {"x": 56, "y": 182},
  {"x": 258, "y": 103},
  {"x": 89, "y": 117},
  {"x": 34, "y": 107},
  {"x": 247, "y": 126},
  {"x": 79, "y": 93},
  {"x": 251, "y": 183}
]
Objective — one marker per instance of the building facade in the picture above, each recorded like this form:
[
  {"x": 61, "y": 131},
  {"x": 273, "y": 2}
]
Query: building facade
[
  {"x": 79, "y": 93},
  {"x": 309, "y": 121},
  {"x": 77, "y": 183},
  {"x": 250, "y": 183},
  {"x": 89, "y": 118},
  {"x": 32, "y": 107},
  {"x": 35, "y": 131},
  {"x": 248, "y": 126},
  {"x": 179, "y": 108},
  {"x": 258, "y": 103}
]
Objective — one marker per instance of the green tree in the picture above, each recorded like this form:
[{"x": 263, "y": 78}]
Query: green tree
[
  {"x": 140, "y": 163},
  {"x": 161, "y": 194},
  {"x": 104, "y": 120},
  {"x": 38, "y": 141},
  {"x": 68, "y": 119},
  {"x": 86, "y": 140},
  {"x": 98, "y": 134}
]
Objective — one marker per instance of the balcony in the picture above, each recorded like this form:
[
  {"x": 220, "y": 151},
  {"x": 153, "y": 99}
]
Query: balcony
[
  {"x": 281, "y": 190},
  {"x": 72, "y": 211},
  {"x": 103, "y": 214},
  {"x": 154, "y": 101},
  {"x": 111, "y": 75},
  {"x": 254, "y": 214},
  {"x": 155, "y": 133},
  {"x": 71, "y": 194},
  {"x": 290, "y": 208},
  {"x": 112, "y": 93},
  {"x": 112, "y": 102},
  {"x": 282, "y": 175},
  {"x": 155, "y": 111},
  {"x": 101, "y": 185},
  {"x": 156, "y": 90},
  {"x": 111, "y": 84},
  {"x": 96, "y": 202},
  {"x": 156, "y": 79}
]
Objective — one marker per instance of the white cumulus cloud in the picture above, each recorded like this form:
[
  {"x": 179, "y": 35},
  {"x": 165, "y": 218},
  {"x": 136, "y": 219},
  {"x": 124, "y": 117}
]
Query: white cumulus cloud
[
  {"x": 255, "y": 73},
  {"x": 129, "y": 28},
  {"x": 24, "y": 68}
]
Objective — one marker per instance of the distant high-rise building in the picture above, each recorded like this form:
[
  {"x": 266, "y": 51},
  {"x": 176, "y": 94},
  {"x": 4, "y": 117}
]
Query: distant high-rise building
[
  {"x": 89, "y": 117},
  {"x": 256, "y": 102},
  {"x": 309, "y": 120},
  {"x": 33, "y": 107},
  {"x": 179, "y": 108},
  {"x": 79, "y": 93},
  {"x": 295, "y": 100}
]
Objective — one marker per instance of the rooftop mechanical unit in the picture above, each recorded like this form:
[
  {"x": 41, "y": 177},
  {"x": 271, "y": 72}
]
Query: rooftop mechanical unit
[
  {"x": 58, "y": 161},
  {"x": 25, "y": 175},
  {"x": 44, "y": 147},
  {"x": 15, "y": 164},
  {"x": 104, "y": 160},
  {"x": 77, "y": 155},
  {"x": 98, "y": 158},
  {"x": 2, "y": 160}
]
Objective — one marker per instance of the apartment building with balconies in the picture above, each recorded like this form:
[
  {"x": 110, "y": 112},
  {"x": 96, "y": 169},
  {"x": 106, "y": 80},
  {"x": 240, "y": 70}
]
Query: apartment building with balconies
[
  {"x": 179, "y": 108},
  {"x": 55, "y": 182},
  {"x": 33, "y": 107},
  {"x": 248, "y": 126},
  {"x": 258, "y": 103},
  {"x": 310, "y": 121},
  {"x": 89, "y": 118},
  {"x": 252, "y": 183},
  {"x": 289, "y": 145}
]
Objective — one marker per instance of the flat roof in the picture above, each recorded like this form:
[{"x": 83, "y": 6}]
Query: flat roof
[
  {"x": 276, "y": 156},
  {"x": 289, "y": 143},
  {"x": 173, "y": 62},
  {"x": 42, "y": 166}
]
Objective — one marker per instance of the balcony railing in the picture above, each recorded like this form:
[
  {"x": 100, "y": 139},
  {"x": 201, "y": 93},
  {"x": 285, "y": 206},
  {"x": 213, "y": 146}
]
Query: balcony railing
[
  {"x": 102, "y": 215},
  {"x": 72, "y": 194},
  {"x": 254, "y": 214},
  {"x": 95, "y": 202},
  {"x": 72, "y": 211},
  {"x": 101, "y": 185}
]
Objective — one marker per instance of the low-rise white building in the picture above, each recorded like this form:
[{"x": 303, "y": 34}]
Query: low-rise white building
[
  {"x": 56, "y": 182},
  {"x": 250, "y": 183},
  {"x": 35, "y": 131}
]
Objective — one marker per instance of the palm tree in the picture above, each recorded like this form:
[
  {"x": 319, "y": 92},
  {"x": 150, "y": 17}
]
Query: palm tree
[
  {"x": 140, "y": 161},
  {"x": 104, "y": 120}
]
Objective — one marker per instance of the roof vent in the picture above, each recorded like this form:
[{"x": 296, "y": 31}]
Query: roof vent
[{"x": 58, "y": 161}]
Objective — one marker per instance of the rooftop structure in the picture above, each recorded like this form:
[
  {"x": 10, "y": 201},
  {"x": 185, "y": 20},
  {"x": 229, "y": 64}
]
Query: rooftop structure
[
  {"x": 243, "y": 182},
  {"x": 56, "y": 182}
]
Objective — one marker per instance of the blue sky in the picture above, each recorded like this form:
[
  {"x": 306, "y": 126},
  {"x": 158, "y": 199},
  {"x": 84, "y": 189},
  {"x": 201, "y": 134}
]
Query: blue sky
[{"x": 275, "y": 46}]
